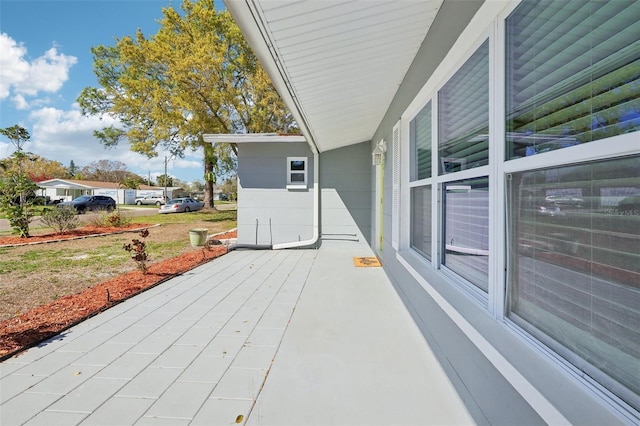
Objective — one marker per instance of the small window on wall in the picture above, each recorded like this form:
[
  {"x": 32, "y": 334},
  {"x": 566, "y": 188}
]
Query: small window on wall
[
  {"x": 572, "y": 74},
  {"x": 463, "y": 115},
  {"x": 296, "y": 172}
]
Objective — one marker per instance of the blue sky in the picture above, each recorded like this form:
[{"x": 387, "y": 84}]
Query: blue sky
[{"x": 45, "y": 61}]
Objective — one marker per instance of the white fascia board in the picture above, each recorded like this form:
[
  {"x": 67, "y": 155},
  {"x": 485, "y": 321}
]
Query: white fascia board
[
  {"x": 252, "y": 137},
  {"x": 250, "y": 22}
]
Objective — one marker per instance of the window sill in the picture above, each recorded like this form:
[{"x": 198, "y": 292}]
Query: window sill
[{"x": 298, "y": 187}]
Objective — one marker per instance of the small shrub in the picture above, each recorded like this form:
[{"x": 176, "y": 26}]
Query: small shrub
[
  {"x": 138, "y": 251},
  {"x": 61, "y": 219},
  {"x": 115, "y": 219}
]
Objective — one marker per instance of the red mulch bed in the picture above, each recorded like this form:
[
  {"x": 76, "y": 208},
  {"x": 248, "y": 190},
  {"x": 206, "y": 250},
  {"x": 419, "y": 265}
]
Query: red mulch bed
[
  {"x": 30, "y": 328},
  {"x": 86, "y": 231}
]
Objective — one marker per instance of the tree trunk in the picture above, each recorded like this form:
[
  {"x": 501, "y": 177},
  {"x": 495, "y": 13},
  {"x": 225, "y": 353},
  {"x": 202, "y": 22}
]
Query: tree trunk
[{"x": 208, "y": 176}]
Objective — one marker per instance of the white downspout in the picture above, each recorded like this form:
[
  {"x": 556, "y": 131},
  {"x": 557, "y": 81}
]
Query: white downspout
[{"x": 316, "y": 208}]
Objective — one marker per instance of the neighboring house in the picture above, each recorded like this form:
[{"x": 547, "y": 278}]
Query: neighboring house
[
  {"x": 68, "y": 189},
  {"x": 447, "y": 134}
]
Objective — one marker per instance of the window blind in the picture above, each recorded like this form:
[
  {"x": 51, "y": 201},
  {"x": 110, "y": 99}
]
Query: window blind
[
  {"x": 463, "y": 115},
  {"x": 575, "y": 266},
  {"x": 573, "y": 74},
  {"x": 421, "y": 220},
  {"x": 466, "y": 230},
  {"x": 420, "y": 128}
]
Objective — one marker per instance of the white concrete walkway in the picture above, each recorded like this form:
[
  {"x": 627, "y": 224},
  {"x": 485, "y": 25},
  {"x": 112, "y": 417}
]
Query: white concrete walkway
[{"x": 333, "y": 341}]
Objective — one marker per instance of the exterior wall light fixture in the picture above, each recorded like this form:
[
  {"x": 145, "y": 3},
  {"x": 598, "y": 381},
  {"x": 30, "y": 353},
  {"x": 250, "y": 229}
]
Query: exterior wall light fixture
[{"x": 378, "y": 153}]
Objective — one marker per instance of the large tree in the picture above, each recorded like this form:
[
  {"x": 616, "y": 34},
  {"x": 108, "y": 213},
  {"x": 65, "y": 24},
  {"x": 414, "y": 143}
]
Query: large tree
[
  {"x": 35, "y": 168},
  {"x": 196, "y": 75},
  {"x": 106, "y": 171}
]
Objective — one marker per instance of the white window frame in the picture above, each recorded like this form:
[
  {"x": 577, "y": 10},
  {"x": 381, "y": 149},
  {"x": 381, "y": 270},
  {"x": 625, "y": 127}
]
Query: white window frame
[
  {"x": 296, "y": 184},
  {"x": 489, "y": 22},
  {"x": 437, "y": 181}
]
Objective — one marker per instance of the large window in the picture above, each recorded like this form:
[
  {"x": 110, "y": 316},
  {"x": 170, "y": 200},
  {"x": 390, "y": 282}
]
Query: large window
[
  {"x": 573, "y": 73},
  {"x": 574, "y": 265},
  {"x": 463, "y": 115},
  {"x": 466, "y": 230},
  {"x": 551, "y": 243},
  {"x": 421, "y": 141}
]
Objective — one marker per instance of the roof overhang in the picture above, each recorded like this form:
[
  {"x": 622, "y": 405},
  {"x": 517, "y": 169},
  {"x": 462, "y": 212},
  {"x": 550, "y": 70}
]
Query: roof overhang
[
  {"x": 252, "y": 138},
  {"x": 336, "y": 64},
  {"x": 63, "y": 184}
]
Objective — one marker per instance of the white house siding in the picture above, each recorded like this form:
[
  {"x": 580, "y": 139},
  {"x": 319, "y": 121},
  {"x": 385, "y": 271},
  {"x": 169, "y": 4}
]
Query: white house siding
[
  {"x": 505, "y": 374},
  {"x": 268, "y": 212}
]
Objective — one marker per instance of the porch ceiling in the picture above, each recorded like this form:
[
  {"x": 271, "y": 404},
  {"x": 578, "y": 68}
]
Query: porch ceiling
[{"x": 337, "y": 64}]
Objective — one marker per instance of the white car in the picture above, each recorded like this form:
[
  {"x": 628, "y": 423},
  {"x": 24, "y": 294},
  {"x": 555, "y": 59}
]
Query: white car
[
  {"x": 178, "y": 205},
  {"x": 158, "y": 200}
]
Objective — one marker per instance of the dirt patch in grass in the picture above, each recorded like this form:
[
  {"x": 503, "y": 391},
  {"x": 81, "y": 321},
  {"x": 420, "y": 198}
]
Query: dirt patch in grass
[{"x": 85, "y": 276}]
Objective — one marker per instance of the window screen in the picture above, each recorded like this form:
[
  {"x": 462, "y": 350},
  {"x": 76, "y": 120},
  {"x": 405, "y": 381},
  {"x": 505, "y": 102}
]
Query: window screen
[
  {"x": 573, "y": 70},
  {"x": 421, "y": 220},
  {"x": 574, "y": 266},
  {"x": 466, "y": 230},
  {"x": 420, "y": 137},
  {"x": 463, "y": 115}
]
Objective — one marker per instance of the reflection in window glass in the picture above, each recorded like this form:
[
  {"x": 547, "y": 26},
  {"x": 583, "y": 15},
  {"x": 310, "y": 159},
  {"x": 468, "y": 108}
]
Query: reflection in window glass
[
  {"x": 466, "y": 230},
  {"x": 463, "y": 115},
  {"x": 297, "y": 165},
  {"x": 421, "y": 220},
  {"x": 574, "y": 266},
  {"x": 573, "y": 71},
  {"x": 420, "y": 138},
  {"x": 297, "y": 177}
]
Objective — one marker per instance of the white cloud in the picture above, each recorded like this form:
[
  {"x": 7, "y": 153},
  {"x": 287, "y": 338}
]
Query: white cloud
[
  {"x": 46, "y": 73},
  {"x": 12, "y": 66},
  {"x": 6, "y": 149},
  {"x": 20, "y": 102},
  {"x": 68, "y": 135}
]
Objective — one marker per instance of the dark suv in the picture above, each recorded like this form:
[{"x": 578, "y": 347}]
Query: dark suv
[{"x": 87, "y": 203}]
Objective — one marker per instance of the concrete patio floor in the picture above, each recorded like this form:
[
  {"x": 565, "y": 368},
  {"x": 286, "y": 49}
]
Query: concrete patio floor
[{"x": 296, "y": 337}]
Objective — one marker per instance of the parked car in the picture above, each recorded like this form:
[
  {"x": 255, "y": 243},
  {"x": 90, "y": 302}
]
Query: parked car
[
  {"x": 565, "y": 201},
  {"x": 178, "y": 205},
  {"x": 158, "y": 200},
  {"x": 37, "y": 200},
  {"x": 630, "y": 205},
  {"x": 549, "y": 209},
  {"x": 87, "y": 203}
]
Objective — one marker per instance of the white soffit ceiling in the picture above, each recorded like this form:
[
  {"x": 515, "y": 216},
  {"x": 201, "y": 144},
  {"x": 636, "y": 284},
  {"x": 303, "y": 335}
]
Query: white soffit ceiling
[{"x": 339, "y": 62}]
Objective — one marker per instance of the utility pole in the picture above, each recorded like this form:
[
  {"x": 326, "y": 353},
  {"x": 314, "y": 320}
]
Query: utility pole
[{"x": 165, "y": 178}]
